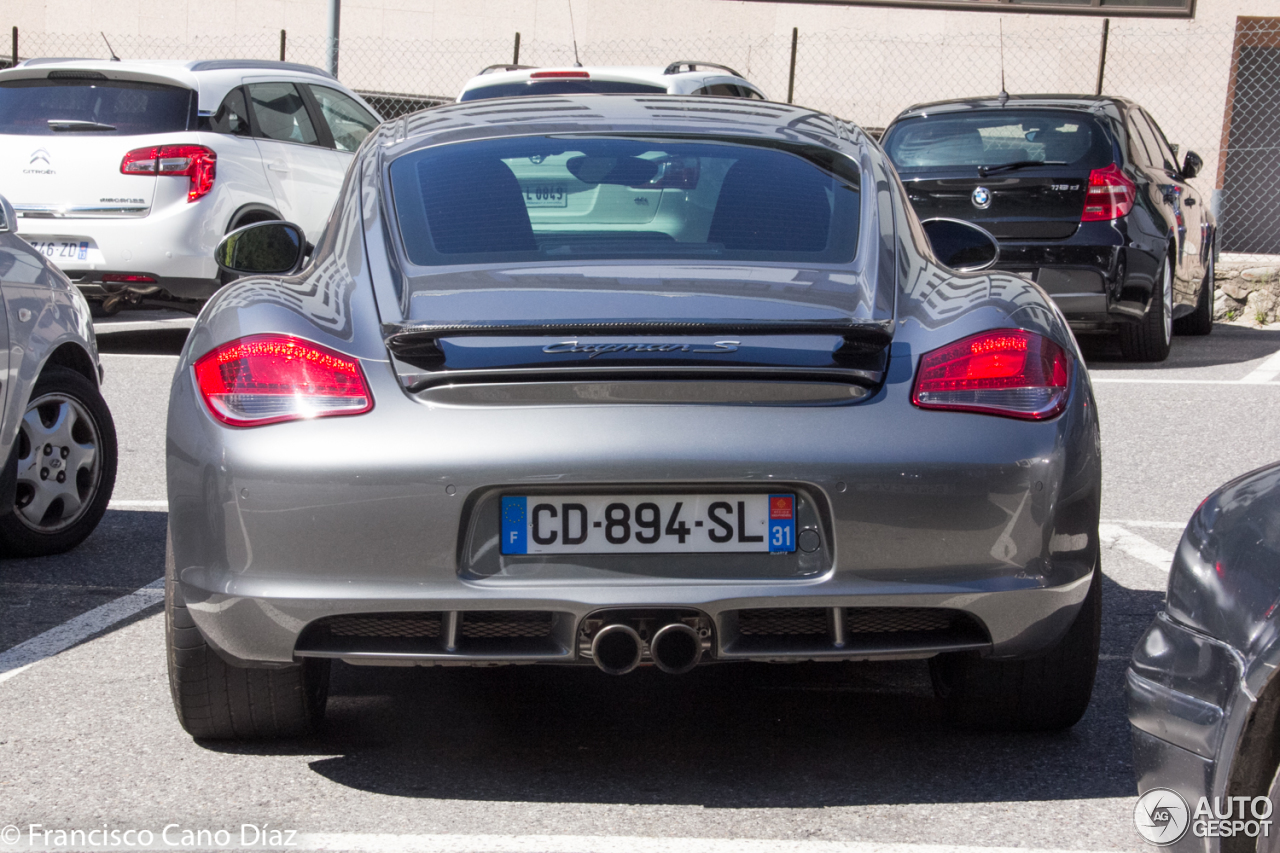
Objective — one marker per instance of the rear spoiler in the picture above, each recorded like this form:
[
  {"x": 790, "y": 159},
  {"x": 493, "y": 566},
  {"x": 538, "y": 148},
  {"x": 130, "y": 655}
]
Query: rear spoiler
[{"x": 420, "y": 341}]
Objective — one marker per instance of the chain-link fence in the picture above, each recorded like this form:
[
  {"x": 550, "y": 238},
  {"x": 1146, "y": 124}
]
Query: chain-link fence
[{"x": 1213, "y": 89}]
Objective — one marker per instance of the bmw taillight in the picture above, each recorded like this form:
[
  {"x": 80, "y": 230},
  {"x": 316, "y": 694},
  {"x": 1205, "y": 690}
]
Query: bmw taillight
[
  {"x": 1008, "y": 372},
  {"x": 1110, "y": 195},
  {"x": 265, "y": 379},
  {"x": 560, "y": 75},
  {"x": 198, "y": 163}
]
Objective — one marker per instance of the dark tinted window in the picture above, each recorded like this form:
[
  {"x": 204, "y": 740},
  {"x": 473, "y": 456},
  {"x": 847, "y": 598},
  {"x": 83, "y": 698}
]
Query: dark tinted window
[
  {"x": 544, "y": 198},
  {"x": 26, "y": 106},
  {"x": 721, "y": 90},
  {"x": 1166, "y": 156},
  {"x": 559, "y": 87},
  {"x": 281, "y": 113},
  {"x": 232, "y": 116},
  {"x": 349, "y": 123},
  {"x": 997, "y": 137}
]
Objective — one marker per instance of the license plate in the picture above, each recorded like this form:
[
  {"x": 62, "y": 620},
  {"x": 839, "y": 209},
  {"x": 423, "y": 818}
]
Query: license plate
[
  {"x": 62, "y": 250},
  {"x": 648, "y": 524},
  {"x": 546, "y": 195}
]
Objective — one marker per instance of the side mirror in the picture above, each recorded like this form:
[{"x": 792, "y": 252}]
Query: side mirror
[
  {"x": 8, "y": 217},
  {"x": 263, "y": 248},
  {"x": 961, "y": 245},
  {"x": 1192, "y": 165}
]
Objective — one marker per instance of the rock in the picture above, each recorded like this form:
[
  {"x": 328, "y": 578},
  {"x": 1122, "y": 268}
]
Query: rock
[
  {"x": 1259, "y": 273},
  {"x": 1260, "y": 307},
  {"x": 1236, "y": 290}
]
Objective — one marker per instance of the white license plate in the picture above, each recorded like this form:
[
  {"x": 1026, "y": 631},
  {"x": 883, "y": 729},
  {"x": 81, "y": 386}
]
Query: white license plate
[
  {"x": 546, "y": 195},
  {"x": 648, "y": 524},
  {"x": 64, "y": 249}
]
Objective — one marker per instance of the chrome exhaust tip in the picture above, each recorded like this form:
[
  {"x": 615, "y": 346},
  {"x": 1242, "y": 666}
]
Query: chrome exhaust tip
[
  {"x": 676, "y": 648},
  {"x": 616, "y": 649}
]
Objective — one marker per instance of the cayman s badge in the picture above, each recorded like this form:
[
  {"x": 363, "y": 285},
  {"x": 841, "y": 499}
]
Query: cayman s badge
[
  {"x": 981, "y": 198},
  {"x": 593, "y": 350}
]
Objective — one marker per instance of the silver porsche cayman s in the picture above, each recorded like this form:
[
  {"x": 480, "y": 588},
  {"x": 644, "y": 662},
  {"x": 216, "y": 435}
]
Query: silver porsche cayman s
[{"x": 624, "y": 381}]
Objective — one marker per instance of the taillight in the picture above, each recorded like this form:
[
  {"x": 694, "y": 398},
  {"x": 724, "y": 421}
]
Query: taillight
[
  {"x": 1110, "y": 195},
  {"x": 551, "y": 75},
  {"x": 266, "y": 379},
  {"x": 195, "y": 161},
  {"x": 1007, "y": 372}
]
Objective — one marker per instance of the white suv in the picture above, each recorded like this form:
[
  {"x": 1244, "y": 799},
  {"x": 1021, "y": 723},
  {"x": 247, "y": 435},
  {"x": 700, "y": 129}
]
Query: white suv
[
  {"x": 679, "y": 78},
  {"x": 128, "y": 174}
]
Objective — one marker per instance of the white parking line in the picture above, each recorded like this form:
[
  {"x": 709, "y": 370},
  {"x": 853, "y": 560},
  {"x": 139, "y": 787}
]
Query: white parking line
[
  {"x": 1115, "y": 536},
  {"x": 377, "y": 843},
  {"x": 136, "y": 355},
  {"x": 158, "y": 505},
  {"x": 25, "y": 655},
  {"x": 1264, "y": 372},
  {"x": 1163, "y": 525}
]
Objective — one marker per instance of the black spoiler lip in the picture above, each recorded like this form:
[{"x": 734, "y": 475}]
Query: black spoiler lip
[{"x": 421, "y": 338}]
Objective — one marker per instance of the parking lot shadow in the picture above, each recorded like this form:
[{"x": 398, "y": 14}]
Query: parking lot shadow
[
  {"x": 142, "y": 341},
  {"x": 1228, "y": 344},
  {"x": 733, "y": 736}
]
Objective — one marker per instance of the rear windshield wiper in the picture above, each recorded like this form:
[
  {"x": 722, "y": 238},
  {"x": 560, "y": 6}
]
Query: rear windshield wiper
[
  {"x": 75, "y": 125},
  {"x": 1018, "y": 164}
]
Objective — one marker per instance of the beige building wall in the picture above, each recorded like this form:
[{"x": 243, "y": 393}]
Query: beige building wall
[{"x": 862, "y": 63}]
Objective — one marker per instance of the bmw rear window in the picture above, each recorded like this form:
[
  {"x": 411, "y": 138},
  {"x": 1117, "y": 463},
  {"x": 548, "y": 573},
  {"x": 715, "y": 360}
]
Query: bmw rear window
[
  {"x": 560, "y": 198},
  {"x": 559, "y": 87},
  {"x": 997, "y": 138},
  {"x": 116, "y": 107}
]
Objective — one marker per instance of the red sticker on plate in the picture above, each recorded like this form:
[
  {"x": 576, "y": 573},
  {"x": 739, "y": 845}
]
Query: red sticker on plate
[{"x": 780, "y": 507}]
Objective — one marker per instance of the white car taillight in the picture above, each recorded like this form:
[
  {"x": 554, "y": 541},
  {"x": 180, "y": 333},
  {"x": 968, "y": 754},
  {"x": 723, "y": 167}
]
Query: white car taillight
[
  {"x": 1008, "y": 372},
  {"x": 198, "y": 163},
  {"x": 266, "y": 379}
]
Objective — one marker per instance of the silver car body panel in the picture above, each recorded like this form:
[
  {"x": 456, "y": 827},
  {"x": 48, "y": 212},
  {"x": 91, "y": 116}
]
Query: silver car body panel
[
  {"x": 392, "y": 511},
  {"x": 43, "y": 314}
]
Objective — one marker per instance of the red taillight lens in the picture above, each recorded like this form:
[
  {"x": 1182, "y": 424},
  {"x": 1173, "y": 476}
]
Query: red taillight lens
[
  {"x": 1110, "y": 195},
  {"x": 1007, "y": 372},
  {"x": 128, "y": 278},
  {"x": 551, "y": 75},
  {"x": 195, "y": 161},
  {"x": 266, "y": 379}
]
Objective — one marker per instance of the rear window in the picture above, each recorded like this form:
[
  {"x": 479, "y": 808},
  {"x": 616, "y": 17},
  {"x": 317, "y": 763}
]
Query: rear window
[
  {"x": 559, "y": 198},
  {"x": 559, "y": 87},
  {"x": 92, "y": 106},
  {"x": 997, "y": 138}
]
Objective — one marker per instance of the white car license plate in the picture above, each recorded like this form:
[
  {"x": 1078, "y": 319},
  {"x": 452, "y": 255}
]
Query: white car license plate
[
  {"x": 648, "y": 524},
  {"x": 546, "y": 195},
  {"x": 62, "y": 249}
]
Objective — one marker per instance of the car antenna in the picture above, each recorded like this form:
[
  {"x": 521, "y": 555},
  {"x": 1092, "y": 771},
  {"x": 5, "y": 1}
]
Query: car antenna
[
  {"x": 1004, "y": 93},
  {"x": 114, "y": 58},
  {"x": 577, "y": 63}
]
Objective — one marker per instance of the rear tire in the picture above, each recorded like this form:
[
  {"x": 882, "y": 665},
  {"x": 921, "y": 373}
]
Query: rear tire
[
  {"x": 1150, "y": 339},
  {"x": 217, "y": 701},
  {"x": 1045, "y": 693},
  {"x": 1200, "y": 321}
]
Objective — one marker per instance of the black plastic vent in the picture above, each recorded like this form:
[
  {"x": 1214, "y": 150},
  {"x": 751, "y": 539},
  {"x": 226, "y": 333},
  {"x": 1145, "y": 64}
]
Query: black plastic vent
[
  {"x": 378, "y": 625},
  {"x": 506, "y": 623}
]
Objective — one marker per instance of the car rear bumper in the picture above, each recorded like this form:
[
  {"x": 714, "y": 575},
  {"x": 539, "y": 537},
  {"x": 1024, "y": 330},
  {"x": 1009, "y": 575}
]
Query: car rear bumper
[
  {"x": 274, "y": 528},
  {"x": 1089, "y": 276},
  {"x": 173, "y": 245}
]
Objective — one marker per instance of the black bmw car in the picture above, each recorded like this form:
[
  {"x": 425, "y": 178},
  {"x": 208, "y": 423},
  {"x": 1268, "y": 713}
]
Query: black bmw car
[{"x": 1084, "y": 195}]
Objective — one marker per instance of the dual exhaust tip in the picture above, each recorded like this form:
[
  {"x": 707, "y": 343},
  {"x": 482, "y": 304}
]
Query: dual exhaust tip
[{"x": 675, "y": 648}]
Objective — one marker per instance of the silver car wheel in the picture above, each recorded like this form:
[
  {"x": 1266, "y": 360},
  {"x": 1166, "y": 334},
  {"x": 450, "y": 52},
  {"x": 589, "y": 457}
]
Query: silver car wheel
[
  {"x": 58, "y": 463},
  {"x": 1168, "y": 301}
]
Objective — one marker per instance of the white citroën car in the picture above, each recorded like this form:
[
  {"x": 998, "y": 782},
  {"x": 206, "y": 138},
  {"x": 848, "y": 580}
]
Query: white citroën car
[{"x": 127, "y": 174}]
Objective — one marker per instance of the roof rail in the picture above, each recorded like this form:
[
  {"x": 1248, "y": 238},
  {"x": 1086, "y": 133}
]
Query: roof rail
[
  {"x": 674, "y": 68},
  {"x": 502, "y": 66},
  {"x": 255, "y": 64}
]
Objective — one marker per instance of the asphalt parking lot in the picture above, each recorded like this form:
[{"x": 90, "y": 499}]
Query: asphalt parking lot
[{"x": 751, "y": 757}]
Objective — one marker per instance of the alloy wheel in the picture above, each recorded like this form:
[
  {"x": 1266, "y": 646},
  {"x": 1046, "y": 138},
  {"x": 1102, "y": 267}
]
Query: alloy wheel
[{"x": 59, "y": 466}]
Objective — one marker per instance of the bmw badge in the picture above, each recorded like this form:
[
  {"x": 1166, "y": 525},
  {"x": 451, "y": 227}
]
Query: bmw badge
[{"x": 981, "y": 198}]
